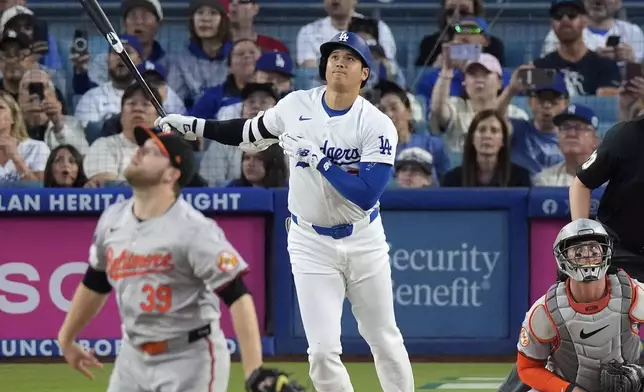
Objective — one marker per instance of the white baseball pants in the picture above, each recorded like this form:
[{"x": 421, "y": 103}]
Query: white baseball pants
[{"x": 326, "y": 271}]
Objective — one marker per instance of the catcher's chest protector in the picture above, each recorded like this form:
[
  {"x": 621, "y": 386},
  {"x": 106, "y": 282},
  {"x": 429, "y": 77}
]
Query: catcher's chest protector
[{"x": 588, "y": 340}]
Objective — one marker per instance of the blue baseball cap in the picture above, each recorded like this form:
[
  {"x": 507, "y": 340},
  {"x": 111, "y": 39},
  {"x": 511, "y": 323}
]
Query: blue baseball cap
[
  {"x": 276, "y": 62},
  {"x": 133, "y": 42},
  {"x": 577, "y": 112},
  {"x": 150, "y": 67},
  {"x": 558, "y": 86}
]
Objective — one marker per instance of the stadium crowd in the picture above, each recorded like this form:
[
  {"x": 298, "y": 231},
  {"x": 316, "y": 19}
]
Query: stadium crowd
[{"x": 458, "y": 124}]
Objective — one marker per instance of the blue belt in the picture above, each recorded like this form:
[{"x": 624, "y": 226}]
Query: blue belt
[{"x": 339, "y": 231}]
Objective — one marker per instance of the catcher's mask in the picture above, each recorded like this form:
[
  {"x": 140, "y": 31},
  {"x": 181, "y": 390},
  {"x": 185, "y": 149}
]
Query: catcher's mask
[{"x": 583, "y": 250}]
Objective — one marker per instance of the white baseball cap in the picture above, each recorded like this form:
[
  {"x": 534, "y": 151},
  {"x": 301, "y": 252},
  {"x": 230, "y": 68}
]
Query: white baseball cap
[
  {"x": 151, "y": 5},
  {"x": 11, "y": 13}
]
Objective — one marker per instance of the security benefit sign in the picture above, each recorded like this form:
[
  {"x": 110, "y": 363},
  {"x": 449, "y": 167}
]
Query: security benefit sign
[{"x": 450, "y": 275}]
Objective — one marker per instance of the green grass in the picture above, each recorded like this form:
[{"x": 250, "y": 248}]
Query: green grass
[{"x": 428, "y": 376}]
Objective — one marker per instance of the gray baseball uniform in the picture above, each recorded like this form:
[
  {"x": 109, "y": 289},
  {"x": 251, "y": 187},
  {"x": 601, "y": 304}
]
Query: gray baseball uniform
[
  {"x": 575, "y": 339},
  {"x": 164, "y": 272}
]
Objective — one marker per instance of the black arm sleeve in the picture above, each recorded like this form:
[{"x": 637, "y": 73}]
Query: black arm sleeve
[
  {"x": 233, "y": 291},
  {"x": 601, "y": 165},
  {"x": 96, "y": 281},
  {"x": 231, "y": 132}
]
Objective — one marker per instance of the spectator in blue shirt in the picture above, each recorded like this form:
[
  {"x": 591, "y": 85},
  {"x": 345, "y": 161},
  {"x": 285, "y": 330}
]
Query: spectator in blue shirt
[
  {"x": 395, "y": 104},
  {"x": 243, "y": 57},
  {"x": 535, "y": 144},
  {"x": 203, "y": 63}
]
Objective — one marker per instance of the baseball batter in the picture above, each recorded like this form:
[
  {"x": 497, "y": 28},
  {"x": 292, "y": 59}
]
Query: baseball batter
[
  {"x": 583, "y": 334},
  {"x": 341, "y": 151},
  {"x": 168, "y": 264}
]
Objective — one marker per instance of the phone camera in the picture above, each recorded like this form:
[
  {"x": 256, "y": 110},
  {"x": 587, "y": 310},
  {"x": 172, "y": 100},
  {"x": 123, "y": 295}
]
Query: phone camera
[{"x": 79, "y": 45}]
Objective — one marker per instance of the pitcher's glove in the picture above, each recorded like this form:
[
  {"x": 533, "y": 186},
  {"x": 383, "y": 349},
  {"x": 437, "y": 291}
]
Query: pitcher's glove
[
  {"x": 620, "y": 377},
  {"x": 271, "y": 380}
]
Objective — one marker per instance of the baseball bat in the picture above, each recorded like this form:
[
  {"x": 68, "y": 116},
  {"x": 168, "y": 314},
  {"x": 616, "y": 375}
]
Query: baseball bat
[{"x": 103, "y": 25}]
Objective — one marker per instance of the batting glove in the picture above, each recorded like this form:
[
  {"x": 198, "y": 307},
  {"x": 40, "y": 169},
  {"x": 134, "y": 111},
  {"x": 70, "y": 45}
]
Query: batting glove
[
  {"x": 304, "y": 151},
  {"x": 190, "y": 127}
]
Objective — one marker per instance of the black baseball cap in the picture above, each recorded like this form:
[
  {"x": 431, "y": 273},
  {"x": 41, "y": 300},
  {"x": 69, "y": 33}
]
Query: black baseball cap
[
  {"x": 175, "y": 147},
  {"x": 577, "y": 4},
  {"x": 251, "y": 88},
  {"x": 20, "y": 38}
]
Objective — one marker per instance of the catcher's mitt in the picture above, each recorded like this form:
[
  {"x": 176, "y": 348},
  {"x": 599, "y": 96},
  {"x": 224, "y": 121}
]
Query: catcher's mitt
[
  {"x": 272, "y": 380},
  {"x": 620, "y": 377}
]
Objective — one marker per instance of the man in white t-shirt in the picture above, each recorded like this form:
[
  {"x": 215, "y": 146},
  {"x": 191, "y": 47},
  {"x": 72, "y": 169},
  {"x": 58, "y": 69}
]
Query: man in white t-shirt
[
  {"x": 601, "y": 25},
  {"x": 108, "y": 157},
  {"x": 314, "y": 34},
  {"x": 104, "y": 100},
  {"x": 577, "y": 131}
]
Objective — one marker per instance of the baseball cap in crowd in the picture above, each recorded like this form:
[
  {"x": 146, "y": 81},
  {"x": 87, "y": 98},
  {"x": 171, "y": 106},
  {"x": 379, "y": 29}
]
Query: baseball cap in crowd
[
  {"x": 558, "y": 86},
  {"x": 175, "y": 147},
  {"x": 13, "y": 12},
  {"x": 251, "y": 88},
  {"x": 151, "y": 5},
  {"x": 415, "y": 157},
  {"x": 276, "y": 62},
  {"x": 151, "y": 68},
  {"x": 194, "y": 5},
  {"x": 131, "y": 41},
  {"x": 576, "y": 4},
  {"x": 488, "y": 62},
  {"x": 577, "y": 112},
  {"x": 15, "y": 36},
  {"x": 471, "y": 26}
]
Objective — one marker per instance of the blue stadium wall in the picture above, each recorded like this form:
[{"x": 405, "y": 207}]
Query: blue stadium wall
[{"x": 460, "y": 261}]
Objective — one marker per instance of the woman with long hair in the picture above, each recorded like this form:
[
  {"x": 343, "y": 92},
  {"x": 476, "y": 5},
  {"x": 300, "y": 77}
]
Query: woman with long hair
[
  {"x": 486, "y": 156},
  {"x": 21, "y": 158},
  {"x": 65, "y": 168},
  {"x": 204, "y": 63},
  {"x": 265, "y": 169}
]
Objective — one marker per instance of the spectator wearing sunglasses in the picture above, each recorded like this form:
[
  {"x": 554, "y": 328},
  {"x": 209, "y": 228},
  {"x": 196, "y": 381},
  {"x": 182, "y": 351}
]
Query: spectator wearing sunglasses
[
  {"x": 469, "y": 30},
  {"x": 452, "y": 12},
  {"x": 601, "y": 25},
  {"x": 585, "y": 72}
]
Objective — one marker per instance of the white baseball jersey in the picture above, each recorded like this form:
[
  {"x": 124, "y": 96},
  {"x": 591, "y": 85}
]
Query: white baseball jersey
[
  {"x": 363, "y": 134},
  {"x": 164, "y": 270}
]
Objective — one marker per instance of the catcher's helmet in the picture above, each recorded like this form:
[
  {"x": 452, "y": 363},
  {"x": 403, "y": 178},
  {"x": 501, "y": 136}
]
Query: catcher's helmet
[
  {"x": 583, "y": 250},
  {"x": 348, "y": 40}
]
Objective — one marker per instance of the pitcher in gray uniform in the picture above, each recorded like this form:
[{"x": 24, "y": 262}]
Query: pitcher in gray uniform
[
  {"x": 168, "y": 265},
  {"x": 580, "y": 325}
]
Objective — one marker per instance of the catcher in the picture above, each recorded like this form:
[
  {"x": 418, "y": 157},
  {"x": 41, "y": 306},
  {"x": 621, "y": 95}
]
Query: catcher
[
  {"x": 168, "y": 265},
  {"x": 583, "y": 334}
]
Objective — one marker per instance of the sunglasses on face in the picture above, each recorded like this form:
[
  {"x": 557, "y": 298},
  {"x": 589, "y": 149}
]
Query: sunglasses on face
[
  {"x": 571, "y": 13},
  {"x": 468, "y": 30}
]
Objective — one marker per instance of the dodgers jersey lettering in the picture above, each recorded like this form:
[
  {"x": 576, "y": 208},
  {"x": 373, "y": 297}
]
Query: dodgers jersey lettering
[
  {"x": 363, "y": 134},
  {"x": 164, "y": 270}
]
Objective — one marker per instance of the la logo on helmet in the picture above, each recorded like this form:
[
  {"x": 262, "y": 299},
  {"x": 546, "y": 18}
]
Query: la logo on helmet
[{"x": 344, "y": 37}]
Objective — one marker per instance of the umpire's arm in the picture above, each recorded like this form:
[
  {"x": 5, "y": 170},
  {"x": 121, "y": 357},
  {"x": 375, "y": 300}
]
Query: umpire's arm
[{"x": 596, "y": 171}]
